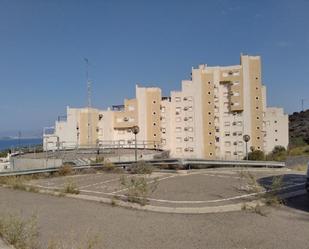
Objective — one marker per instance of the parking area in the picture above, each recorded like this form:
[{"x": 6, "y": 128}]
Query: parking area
[{"x": 194, "y": 188}]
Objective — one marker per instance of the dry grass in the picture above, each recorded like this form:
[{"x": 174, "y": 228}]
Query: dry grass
[
  {"x": 271, "y": 197},
  {"x": 249, "y": 183},
  {"x": 65, "y": 169},
  {"x": 138, "y": 189},
  {"x": 19, "y": 232},
  {"x": 301, "y": 167},
  {"x": 70, "y": 187},
  {"x": 71, "y": 242},
  {"x": 141, "y": 167}
]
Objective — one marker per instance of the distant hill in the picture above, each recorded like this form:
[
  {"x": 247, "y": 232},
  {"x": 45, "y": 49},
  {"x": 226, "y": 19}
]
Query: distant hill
[{"x": 299, "y": 128}]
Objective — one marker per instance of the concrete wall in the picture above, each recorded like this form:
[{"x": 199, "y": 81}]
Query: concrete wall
[{"x": 29, "y": 163}]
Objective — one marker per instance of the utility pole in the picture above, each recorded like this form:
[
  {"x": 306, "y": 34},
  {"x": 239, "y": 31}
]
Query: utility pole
[
  {"x": 302, "y": 104},
  {"x": 89, "y": 125}
]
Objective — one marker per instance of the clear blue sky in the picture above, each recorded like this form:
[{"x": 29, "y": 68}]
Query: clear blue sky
[{"x": 43, "y": 44}]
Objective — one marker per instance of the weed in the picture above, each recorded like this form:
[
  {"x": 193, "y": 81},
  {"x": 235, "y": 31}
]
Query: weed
[
  {"x": 109, "y": 167},
  {"x": 19, "y": 232},
  {"x": 65, "y": 169},
  {"x": 138, "y": 188},
  {"x": 249, "y": 182},
  {"x": 70, "y": 187},
  {"x": 301, "y": 167},
  {"x": 113, "y": 202},
  {"x": 71, "y": 242},
  {"x": 271, "y": 197},
  {"x": 141, "y": 167}
]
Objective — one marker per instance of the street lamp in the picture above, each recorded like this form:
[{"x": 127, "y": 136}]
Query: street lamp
[
  {"x": 246, "y": 138},
  {"x": 135, "y": 130}
]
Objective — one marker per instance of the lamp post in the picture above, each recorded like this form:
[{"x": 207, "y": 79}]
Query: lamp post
[
  {"x": 246, "y": 138},
  {"x": 135, "y": 130}
]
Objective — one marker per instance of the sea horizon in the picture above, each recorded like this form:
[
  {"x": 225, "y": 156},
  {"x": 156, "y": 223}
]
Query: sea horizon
[{"x": 13, "y": 142}]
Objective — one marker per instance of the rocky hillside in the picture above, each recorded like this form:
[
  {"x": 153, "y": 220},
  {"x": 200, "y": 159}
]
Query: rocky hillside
[{"x": 299, "y": 128}]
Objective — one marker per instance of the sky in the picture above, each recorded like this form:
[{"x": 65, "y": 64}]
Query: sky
[{"x": 153, "y": 43}]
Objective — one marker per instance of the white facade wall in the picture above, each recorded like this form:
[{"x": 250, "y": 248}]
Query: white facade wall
[
  {"x": 182, "y": 118},
  {"x": 276, "y": 127}
]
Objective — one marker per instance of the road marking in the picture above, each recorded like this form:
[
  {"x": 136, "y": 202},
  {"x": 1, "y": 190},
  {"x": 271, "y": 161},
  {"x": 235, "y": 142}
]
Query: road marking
[
  {"x": 200, "y": 202},
  {"x": 158, "y": 180},
  {"x": 98, "y": 183},
  {"x": 222, "y": 176}
]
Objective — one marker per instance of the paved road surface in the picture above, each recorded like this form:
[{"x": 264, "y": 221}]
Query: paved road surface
[{"x": 119, "y": 228}]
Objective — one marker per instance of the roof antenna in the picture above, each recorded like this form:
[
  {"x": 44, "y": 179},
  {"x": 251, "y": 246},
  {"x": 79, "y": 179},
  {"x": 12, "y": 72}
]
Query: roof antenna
[{"x": 89, "y": 126}]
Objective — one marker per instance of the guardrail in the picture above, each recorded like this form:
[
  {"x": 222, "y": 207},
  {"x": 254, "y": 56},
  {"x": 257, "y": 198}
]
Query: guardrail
[{"x": 185, "y": 163}]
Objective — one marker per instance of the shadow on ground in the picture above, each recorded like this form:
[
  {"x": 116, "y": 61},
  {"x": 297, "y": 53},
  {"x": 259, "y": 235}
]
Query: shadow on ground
[{"x": 300, "y": 202}]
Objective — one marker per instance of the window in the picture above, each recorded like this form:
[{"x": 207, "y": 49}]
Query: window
[
  {"x": 178, "y": 119},
  {"x": 178, "y": 129},
  {"x": 163, "y": 109},
  {"x": 163, "y": 141},
  {"x": 178, "y": 149},
  {"x": 227, "y": 134},
  {"x": 154, "y": 124},
  {"x": 226, "y": 123},
  {"x": 154, "y": 135},
  {"x": 154, "y": 101},
  {"x": 227, "y": 144},
  {"x": 235, "y": 83},
  {"x": 239, "y": 123},
  {"x": 154, "y": 113},
  {"x": 178, "y": 139},
  {"x": 178, "y": 99},
  {"x": 163, "y": 130}
]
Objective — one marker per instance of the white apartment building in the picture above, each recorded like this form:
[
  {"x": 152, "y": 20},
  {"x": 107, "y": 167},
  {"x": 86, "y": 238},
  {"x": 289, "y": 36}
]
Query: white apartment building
[{"x": 207, "y": 118}]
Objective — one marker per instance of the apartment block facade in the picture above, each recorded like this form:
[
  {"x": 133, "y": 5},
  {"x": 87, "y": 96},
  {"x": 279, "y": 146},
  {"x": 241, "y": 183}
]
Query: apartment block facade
[{"x": 207, "y": 118}]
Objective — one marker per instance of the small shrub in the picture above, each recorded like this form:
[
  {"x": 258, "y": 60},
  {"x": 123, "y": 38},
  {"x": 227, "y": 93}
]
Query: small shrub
[
  {"x": 70, "y": 187},
  {"x": 65, "y": 169},
  {"x": 271, "y": 197},
  {"x": 109, "y": 166},
  {"x": 138, "y": 188},
  {"x": 256, "y": 155},
  {"x": 19, "y": 232},
  {"x": 141, "y": 167}
]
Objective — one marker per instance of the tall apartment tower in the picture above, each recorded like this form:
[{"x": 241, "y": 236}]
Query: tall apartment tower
[
  {"x": 213, "y": 110},
  {"x": 207, "y": 118}
]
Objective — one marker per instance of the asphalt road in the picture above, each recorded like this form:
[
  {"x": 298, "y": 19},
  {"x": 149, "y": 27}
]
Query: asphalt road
[{"x": 60, "y": 217}]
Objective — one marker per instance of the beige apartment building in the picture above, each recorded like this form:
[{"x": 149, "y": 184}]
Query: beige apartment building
[{"x": 207, "y": 118}]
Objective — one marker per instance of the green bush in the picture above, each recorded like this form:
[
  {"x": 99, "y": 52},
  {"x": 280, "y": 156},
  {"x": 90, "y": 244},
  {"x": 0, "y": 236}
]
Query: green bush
[
  {"x": 279, "y": 153},
  {"x": 256, "y": 155}
]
